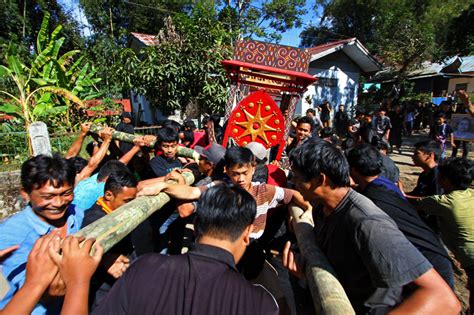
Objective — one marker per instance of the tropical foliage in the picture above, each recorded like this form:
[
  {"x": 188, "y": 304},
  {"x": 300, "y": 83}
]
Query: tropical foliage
[{"x": 52, "y": 87}]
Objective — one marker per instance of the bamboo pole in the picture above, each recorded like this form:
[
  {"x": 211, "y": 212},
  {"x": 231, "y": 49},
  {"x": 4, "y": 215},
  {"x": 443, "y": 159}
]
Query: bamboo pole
[
  {"x": 127, "y": 137},
  {"x": 112, "y": 228},
  {"x": 329, "y": 297}
]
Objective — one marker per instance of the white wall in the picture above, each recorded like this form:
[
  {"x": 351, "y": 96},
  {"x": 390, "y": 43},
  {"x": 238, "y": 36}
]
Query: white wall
[
  {"x": 148, "y": 114},
  {"x": 453, "y": 82},
  {"x": 344, "y": 93}
]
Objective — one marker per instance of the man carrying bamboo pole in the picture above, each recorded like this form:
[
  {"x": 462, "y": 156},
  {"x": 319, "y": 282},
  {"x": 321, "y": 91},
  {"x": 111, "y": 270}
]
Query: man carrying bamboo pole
[
  {"x": 119, "y": 189},
  {"x": 48, "y": 184},
  {"x": 373, "y": 260},
  {"x": 204, "y": 280}
]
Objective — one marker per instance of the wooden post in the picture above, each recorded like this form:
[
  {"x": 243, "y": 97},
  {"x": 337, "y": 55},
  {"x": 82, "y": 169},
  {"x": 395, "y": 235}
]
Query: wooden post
[
  {"x": 112, "y": 228},
  {"x": 328, "y": 294},
  {"x": 127, "y": 137}
]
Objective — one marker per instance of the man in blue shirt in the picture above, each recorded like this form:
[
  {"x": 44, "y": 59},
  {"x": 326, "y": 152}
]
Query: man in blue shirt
[
  {"x": 90, "y": 189},
  {"x": 47, "y": 183}
]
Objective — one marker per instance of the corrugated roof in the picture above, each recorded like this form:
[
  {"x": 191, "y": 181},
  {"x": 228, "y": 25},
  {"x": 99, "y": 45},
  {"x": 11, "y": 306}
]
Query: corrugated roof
[
  {"x": 433, "y": 68},
  {"x": 427, "y": 68},
  {"x": 467, "y": 64},
  {"x": 146, "y": 39}
]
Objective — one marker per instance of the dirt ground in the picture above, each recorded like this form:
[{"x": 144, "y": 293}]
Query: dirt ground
[{"x": 408, "y": 176}]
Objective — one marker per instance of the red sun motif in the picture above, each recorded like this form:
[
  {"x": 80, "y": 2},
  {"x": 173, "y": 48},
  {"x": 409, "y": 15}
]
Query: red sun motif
[{"x": 256, "y": 118}]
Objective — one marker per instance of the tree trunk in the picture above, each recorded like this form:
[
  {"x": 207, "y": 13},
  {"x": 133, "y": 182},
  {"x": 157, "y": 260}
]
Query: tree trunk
[{"x": 328, "y": 295}]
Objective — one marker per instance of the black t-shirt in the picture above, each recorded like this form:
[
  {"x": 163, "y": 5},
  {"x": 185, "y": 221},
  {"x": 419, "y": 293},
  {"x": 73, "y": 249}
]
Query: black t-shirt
[
  {"x": 127, "y": 128},
  {"x": 96, "y": 212},
  {"x": 373, "y": 260},
  {"x": 426, "y": 184},
  {"x": 409, "y": 222},
  {"x": 202, "y": 281},
  {"x": 396, "y": 120},
  {"x": 341, "y": 121},
  {"x": 102, "y": 281},
  {"x": 162, "y": 166},
  {"x": 367, "y": 133}
]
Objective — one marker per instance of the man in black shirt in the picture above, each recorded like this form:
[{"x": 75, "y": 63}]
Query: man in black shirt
[
  {"x": 304, "y": 127},
  {"x": 119, "y": 189},
  {"x": 154, "y": 233},
  {"x": 426, "y": 156},
  {"x": 125, "y": 126},
  {"x": 166, "y": 145},
  {"x": 366, "y": 167},
  {"x": 373, "y": 260},
  {"x": 341, "y": 121},
  {"x": 366, "y": 131},
  {"x": 204, "y": 280}
]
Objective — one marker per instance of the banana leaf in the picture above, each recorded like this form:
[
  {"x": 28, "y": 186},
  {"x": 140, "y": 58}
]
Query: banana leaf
[
  {"x": 43, "y": 32},
  {"x": 64, "y": 93}
]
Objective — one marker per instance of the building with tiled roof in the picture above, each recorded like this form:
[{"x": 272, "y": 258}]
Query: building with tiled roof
[{"x": 338, "y": 66}]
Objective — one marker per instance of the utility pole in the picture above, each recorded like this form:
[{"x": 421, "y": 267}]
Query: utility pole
[
  {"x": 24, "y": 18},
  {"x": 111, "y": 24}
]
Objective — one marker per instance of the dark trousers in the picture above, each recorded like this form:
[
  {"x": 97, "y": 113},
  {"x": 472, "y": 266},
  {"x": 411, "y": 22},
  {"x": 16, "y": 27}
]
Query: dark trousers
[{"x": 459, "y": 144}]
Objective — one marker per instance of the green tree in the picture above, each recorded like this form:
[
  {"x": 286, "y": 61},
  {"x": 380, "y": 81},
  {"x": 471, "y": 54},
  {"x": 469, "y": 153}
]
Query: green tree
[
  {"x": 183, "y": 71},
  {"x": 116, "y": 18},
  {"x": 459, "y": 35},
  {"x": 264, "y": 19},
  {"x": 402, "y": 32}
]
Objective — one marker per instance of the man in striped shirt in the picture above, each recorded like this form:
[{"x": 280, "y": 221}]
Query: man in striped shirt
[{"x": 240, "y": 166}]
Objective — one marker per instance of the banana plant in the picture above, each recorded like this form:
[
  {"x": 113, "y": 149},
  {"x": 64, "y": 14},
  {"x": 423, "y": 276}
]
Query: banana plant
[{"x": 52, "y": 86}]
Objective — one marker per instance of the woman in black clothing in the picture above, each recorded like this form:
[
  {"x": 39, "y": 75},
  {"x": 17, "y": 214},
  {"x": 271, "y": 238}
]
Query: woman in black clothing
[{"x": 397, "y": 119}]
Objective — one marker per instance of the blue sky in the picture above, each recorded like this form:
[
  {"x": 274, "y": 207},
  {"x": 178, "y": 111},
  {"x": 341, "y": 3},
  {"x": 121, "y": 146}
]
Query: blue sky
[{"x": 290, "y": 37}]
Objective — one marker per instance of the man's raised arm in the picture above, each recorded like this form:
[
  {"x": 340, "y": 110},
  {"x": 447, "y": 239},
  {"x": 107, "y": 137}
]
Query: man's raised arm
[{"x": 77, "y": 144}]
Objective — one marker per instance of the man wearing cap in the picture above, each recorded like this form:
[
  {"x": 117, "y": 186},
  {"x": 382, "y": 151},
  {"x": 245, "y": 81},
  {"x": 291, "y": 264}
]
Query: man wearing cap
[
  {"x": 125, "y": 126},
  {"x": 266, "y": 173},
  {"x": 211, "y": 163}
]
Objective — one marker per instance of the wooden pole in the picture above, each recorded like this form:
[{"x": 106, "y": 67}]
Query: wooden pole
[
  {"x": 127, "y": 137},
  {"x": 329, "y": 297},
  {"x": 112, "y": 228}
]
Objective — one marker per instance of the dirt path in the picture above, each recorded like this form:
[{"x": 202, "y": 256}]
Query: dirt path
[{"x": 408, "y": 176}]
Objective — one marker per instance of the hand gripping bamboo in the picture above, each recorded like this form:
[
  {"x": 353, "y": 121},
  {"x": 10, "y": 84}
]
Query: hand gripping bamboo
[
  {"x": 328, "y": 294},
  {"x": 127, "y": 137},
  {"x": 112, "y": 228}
]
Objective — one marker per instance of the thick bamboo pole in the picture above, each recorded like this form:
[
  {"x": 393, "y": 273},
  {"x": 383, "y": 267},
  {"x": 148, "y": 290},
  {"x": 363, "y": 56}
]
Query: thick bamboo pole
[
  {"x": 127, "y": 137},
  {"x": 112, "y": 228},
  {"x": 328, "y": 295}
]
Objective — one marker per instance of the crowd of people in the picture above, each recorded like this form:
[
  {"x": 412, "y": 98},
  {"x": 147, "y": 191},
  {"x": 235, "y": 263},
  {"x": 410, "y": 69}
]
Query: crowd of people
[
  {"x": 391, "y": 122},
  {"x": 225, "y": 245}
]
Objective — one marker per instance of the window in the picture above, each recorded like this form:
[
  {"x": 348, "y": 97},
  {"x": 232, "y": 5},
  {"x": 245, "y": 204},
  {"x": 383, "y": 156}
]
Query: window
[
  {"x": 326, "y": 82},
  {"x": 461, "y": 86}
]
